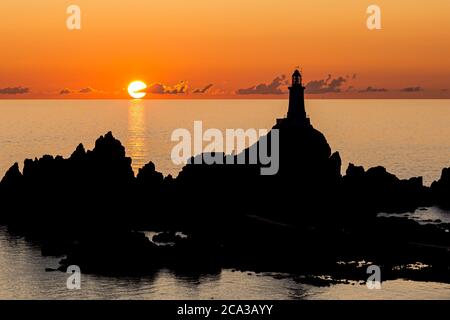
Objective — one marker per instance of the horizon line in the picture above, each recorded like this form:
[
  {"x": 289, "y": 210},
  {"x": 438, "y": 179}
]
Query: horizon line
[{"x": 209, "y": 98}]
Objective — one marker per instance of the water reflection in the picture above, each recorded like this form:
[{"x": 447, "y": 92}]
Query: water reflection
[
  {"x": 136, "y": 134},
  {"x": 195, "y": 278},
  {"x": 23, "y": 276}
]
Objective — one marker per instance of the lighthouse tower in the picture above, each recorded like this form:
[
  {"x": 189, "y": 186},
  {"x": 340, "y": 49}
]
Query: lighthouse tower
[
  {"x": 296, "y": 116},
  {"x": 296, "y": 111}
]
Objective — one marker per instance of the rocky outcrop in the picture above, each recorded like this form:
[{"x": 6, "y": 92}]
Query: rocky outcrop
[
  {"x": 105, "y": 254},
  {"x": 99, "y": 184},
  {"x": 149, "y": 177},
  {"x": 441, "y": 189},
  {"x": 12, "y": 179},
  {"x": 88, "y": 205},
  {"x": 307, "y": 179},
  {"x": 86, "y": 190},
  {"x": 377, "y": 190}
]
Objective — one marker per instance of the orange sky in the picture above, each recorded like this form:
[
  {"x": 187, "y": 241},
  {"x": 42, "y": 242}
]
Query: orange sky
[{"x": 231, "y": 44}]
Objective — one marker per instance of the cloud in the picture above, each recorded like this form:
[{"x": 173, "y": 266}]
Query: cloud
[
  {"x": 87, "y": 90},
  {"x": 373, "y": 89},
  {"x": 273, "y": 88},
  {"x": 65, "y": 91},
  {"x": 158, "y": 88},
  {"x": 14, "y": 90},
  {"x": 327, "y": 85},
  {"x": 203, "y": 90},
  {"x": 412, "y": 89}
]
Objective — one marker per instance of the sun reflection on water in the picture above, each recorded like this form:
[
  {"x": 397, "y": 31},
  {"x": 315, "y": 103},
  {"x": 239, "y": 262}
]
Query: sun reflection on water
[{"x": 136, "y": 134}]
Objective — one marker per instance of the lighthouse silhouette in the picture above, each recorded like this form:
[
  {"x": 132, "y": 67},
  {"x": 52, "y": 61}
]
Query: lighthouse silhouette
[
  {"x": 296, "y": 109},
  {"x": 296, "y": 112}
]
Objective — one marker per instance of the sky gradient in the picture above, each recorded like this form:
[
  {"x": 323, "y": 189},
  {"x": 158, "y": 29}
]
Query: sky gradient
[{"x": 224, "y": 49}]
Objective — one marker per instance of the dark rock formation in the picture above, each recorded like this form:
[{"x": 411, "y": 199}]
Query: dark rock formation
[
  {"x": 167, "y": 237},
  {"x": 81, "y": 192},
  {"x": 377, "y": 190},
  {"x": 121, "y": 253},
  {"x": 304, "y": 218},
  {"x": 149, "y": 177},
  {"x": 12, "y": 179},
  {"x": 441, "y": 189},
  {"x": 305, "y": 186}
]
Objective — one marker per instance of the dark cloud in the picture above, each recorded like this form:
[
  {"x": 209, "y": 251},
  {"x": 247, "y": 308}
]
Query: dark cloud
[
  {"x": 203, "y": 90},
  {"x": 327, "y": 85},
  {"x": 412, "y": 89},
  {"x": 65, "y": 91},
  {"x": 158, "y": 88},
  {"x": 82, "y": 91},
  {"x": 87, "y": 90},
  {"x": 372, "y": 89},
  {"x": 273, "y": 88},
  {"x": 14, "y": 90}
]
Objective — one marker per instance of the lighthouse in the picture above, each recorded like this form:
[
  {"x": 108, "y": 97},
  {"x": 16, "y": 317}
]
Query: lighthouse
[
  {"x": 296, "y": 109},
  {"x": 296, "y": 112}
]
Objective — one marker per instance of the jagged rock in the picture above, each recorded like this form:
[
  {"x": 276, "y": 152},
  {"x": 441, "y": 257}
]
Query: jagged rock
[
  {"x": 55, "y": 193},
  {"x": 377, "y": 190},
  {"x": 307, "y": 180},
  {"x": 109, "y": 148},
  {"x": 355, "y": 172},
  {"x": 89, "y": 204},
  {"x": 441, "y": 189},
  {"x": 79, "y": 153},
  {"x": 148, "y": 176},
  {"x": 13, "y": 177}
]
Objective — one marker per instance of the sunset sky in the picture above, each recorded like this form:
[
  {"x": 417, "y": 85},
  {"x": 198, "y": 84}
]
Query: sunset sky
[{"x": 224, "y": 48}]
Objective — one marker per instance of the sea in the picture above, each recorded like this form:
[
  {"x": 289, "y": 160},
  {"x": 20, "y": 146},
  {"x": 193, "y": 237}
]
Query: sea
[{"x": 409, "y": 137}]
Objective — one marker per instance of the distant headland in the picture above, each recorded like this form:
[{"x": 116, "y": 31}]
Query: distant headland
[{"x": 307, "y": 219}]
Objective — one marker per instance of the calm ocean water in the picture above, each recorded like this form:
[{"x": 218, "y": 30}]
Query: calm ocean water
[
  {"x": 409, "y": 137},
  {"x": 23, "y": 276}
]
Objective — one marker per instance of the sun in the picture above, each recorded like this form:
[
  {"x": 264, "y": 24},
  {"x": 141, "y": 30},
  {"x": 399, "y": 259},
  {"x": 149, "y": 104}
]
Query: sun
[{"x": 136, "y": 89}]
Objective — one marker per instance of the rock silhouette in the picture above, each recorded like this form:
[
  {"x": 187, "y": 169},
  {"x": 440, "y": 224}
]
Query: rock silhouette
[
  {"x": 441, "y": 189},
  {"x": 84, "y": 191},
  {"x": 305, "y": 218},
  {"x": 377, "y": 190}
]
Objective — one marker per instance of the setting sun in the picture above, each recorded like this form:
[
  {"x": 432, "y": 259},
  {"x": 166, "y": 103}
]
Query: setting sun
[{"x": 135, "y": 89}]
